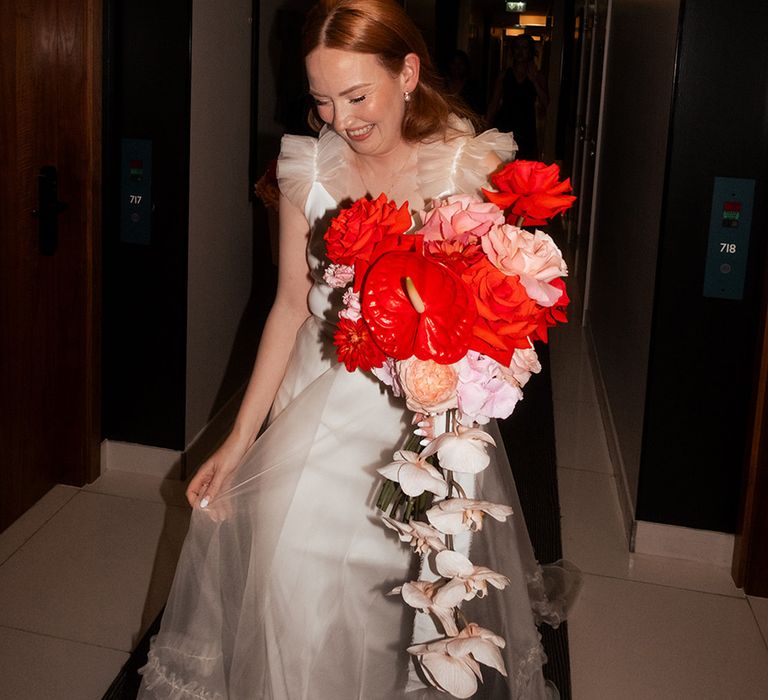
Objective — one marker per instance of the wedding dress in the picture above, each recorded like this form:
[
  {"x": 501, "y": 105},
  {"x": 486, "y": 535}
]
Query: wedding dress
[{"x": 281, "y": 589}]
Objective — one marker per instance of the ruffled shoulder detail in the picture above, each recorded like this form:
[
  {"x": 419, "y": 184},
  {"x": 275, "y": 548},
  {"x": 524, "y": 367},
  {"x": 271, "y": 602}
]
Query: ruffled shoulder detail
[
  {"x": 305, "y": 160},
  {"x": 457, "y": 164}
]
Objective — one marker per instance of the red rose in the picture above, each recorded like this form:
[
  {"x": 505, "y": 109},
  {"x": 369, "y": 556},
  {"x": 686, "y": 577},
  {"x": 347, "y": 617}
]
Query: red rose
[
  {"x": 552, "y": 315},
  {"x": 506, "y": 315},
  {"x": 531, "y": 190},
  {"x": 353, "y": 234},
  {"x": 355, "y": 347},
  {"x": 441, "y": 331}
]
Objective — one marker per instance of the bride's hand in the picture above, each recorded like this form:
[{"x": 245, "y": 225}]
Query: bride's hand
[{"x": 206, "y": 484}]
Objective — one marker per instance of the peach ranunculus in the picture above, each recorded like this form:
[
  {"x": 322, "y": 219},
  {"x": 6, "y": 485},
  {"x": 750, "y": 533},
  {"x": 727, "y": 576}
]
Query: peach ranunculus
[
  {"x": 462, "y": 217},
  {"x": 506, "y": 314},
  {"x": 453, "y": 664},
  {"x": 532, "y": 256},
  {"x": 429, "y": 387}
]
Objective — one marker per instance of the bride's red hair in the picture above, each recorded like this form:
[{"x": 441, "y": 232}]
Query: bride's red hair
[{"x": 382, "y": 27}]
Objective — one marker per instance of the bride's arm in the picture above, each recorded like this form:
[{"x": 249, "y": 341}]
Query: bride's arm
[{"x": 288, "y": 312}]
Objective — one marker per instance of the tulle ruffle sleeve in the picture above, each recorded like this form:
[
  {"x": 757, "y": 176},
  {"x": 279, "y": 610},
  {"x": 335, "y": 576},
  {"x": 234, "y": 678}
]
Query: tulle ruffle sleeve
[
  {"x": 459, "y": 164},
  {"x": 305, "y": 161}
]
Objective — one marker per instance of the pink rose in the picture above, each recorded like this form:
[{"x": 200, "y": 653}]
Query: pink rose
[
  {"x": 485, "y": 389},
  {"x": 429, "y": 387},
  {"x": 461, "y": 217},
  {"x": 338, "y": 276},
  {"x": 525, "y": 362},
  {"x": 534, "y": 257}
]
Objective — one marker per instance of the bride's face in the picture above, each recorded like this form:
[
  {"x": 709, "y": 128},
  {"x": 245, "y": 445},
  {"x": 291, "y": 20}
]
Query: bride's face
[{"x": 359, "y": 98}]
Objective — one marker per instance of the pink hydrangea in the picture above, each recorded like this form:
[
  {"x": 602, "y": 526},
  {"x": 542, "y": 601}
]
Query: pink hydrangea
[
  {"x": 485, "y": 389},
  {"x": 462, "y": 217}
]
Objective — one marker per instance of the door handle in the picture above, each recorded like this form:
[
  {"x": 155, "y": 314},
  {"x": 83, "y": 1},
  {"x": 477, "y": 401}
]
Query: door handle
[{"x": 48, "y": 209}]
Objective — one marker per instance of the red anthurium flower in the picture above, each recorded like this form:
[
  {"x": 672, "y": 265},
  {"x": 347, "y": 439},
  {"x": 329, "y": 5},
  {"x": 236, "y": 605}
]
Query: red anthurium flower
[
  {"x": 531, "y": 190},
  {"x": 506, "y": 315},
  {"x": 403, "y": 242},
  {"x": 355, "y": 347},
  {"x": 431, "y": 317},
  {"x": 354, "y": 233}
]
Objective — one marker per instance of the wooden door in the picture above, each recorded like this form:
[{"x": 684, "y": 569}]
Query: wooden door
[
  {"x": 50, "y": 66},
  {"x": 750, "y": 554}
]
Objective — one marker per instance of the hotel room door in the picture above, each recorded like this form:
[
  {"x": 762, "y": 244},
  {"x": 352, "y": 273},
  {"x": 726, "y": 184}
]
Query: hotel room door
[{"x": 50, "y": 153}]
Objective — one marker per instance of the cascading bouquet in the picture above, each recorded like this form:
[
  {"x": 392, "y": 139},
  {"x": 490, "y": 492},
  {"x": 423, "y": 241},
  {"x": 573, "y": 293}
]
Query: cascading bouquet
[{"x": 446, "y": 316}]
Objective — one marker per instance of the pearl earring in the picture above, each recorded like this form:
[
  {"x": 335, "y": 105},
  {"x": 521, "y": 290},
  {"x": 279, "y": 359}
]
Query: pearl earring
[{"x": 407, "y": 96}]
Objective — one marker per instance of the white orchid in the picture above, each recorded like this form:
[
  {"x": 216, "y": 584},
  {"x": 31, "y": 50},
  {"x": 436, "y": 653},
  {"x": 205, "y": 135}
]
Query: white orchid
[
  {"x": 463, "y": 450},
  {"x": 414, "y": 474},
  {"x": 455, "y": 515},
  {"x": 420, "y": 536},
  {"x": 466, "y": 579},
  {"x": 425, "y": 596},
  {"x": 453, "y": 665}
]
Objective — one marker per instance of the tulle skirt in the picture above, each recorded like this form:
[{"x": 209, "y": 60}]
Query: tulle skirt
[{"x": 281, "y": 588}]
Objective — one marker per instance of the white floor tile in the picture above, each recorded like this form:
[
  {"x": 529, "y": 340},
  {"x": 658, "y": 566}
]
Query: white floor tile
[
  {"x": 145, "y": 487},
  {"x": 96, "y": 573},
  {"x": 579, "y": 437},
  {"x": 28, "y": 524},
  {"x": 635, "y": 641},
  {"x": 34, "y": 667},
  {"x": 760, "y": 609},
  {"x": 593, "y": 539}
]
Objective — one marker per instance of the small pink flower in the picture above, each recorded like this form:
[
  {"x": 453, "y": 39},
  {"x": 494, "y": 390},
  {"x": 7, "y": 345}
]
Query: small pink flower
[
  {"x": 429, "y": 387},
  {"x": 461, "y": 217},
  {"x": 387, "y": 375},
  {"x": 338, "y": 276},
  {"x": 351, "y": 309},
  {"x": 534, "y": 257}
]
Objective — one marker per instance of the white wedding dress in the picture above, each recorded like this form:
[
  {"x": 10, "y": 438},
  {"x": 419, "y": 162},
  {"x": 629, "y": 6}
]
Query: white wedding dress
[{"x": 280, "y": 591}]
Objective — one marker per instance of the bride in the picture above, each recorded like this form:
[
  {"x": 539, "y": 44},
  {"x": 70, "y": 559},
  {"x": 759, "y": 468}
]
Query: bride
[{"x": 280, "y": 591}]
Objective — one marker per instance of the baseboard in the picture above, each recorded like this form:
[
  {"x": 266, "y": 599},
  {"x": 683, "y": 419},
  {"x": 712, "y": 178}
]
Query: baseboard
[
  {"x": 626, "y": 503},
  {"x": 172, "y": 464},
  {"x": 715, "y": 548},
  {"x": 141, "y": 459}
]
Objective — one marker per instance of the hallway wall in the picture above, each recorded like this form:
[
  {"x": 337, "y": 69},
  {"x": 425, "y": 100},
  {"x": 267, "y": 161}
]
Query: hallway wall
[
  {"x": 638, "y": 97},
  {"x": 220, "y": 214}
]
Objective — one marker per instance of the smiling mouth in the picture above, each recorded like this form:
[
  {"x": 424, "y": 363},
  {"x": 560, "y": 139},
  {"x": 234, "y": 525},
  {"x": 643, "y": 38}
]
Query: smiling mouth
[{"x": 361, "y": 132}]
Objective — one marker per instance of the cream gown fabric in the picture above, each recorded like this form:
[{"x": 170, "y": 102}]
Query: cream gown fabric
[{"x": 280, "y": 590}]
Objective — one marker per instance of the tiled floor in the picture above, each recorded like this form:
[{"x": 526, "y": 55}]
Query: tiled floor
[
  {"x": 644, "y": 627},
  {"x": 84, "y": 572}
]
